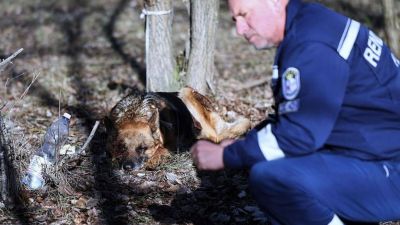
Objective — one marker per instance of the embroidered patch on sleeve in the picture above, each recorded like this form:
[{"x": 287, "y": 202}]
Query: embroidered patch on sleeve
[
  {"x": 291, "y": 83},
  {"x": 289, "y": 106}
]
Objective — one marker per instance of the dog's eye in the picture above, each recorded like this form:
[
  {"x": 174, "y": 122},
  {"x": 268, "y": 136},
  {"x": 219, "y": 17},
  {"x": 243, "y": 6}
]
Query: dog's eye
[{"x": 141, "y": 149}]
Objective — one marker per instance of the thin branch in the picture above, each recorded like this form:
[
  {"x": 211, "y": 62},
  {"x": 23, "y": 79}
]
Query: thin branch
[
  {"x": 13, "y": 78},
  {"x": 35, "y": 77},
  {"x": 8, "y": 60},
  {"x": 96, "y": 125}
]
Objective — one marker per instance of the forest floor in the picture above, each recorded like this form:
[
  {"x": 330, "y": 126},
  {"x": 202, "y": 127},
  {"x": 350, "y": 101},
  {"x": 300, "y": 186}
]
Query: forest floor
[{"x": 87, "y": 55}]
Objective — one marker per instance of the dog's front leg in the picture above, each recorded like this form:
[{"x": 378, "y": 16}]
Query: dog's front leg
[{"x": 158, "y": 156}]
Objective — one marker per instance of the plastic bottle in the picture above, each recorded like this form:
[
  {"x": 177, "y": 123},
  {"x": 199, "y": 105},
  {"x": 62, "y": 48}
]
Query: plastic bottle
[{"x": 55, "y": 137}]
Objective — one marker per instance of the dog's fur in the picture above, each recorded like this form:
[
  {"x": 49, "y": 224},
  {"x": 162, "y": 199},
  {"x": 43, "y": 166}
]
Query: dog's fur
[{"x": 144, "y": 128}]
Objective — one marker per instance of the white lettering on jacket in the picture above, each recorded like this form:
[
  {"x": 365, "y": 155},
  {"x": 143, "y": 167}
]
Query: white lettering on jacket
[{"x": 374, "y": 50}]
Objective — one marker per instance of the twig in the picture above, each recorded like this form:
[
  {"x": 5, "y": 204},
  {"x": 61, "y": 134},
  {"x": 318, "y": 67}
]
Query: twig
[
  {"x": 91, "y": 135},
  {"x": 35, "y": 77},
  {"x": 13, "y": 78},
  {"x": 5, "y": 86},
  {"x": 253, "y": 83},
  {"x": 8, "y": 60},
  {"x": 3, "y": 106}
]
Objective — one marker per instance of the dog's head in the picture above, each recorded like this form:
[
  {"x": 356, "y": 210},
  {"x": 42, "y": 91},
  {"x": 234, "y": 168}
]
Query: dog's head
[
  {"x": 134, "y": 139},
  {"x": 134, "y": 142}
]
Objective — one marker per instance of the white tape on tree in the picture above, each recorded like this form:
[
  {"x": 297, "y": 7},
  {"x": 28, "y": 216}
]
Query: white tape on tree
[{"x": 153, "y": 13}]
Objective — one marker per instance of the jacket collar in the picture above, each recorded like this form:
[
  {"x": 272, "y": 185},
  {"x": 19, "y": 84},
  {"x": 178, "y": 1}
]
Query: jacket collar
[{"x": 291, "y": 11}]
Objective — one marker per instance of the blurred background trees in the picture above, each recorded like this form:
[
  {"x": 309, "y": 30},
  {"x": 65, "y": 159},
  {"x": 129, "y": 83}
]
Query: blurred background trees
[{"x": 196, "y": 66}]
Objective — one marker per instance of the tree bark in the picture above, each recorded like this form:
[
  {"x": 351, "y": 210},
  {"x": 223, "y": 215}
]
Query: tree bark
[
  {"x": 3, "y": 167},
  {"x": 161, "y": 74},
  {"x": 391, "y": 26},
  {"x": 204, "y": 22},
  {"x": 188, "y": 40},
  {"x": 8, "y": 175}
]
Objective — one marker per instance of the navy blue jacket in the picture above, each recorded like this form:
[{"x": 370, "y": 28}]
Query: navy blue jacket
[{"x": 338, "y": 90}]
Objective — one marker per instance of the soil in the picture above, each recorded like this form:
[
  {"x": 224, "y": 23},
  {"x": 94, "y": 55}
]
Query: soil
[{"x": 86, "y": 56}]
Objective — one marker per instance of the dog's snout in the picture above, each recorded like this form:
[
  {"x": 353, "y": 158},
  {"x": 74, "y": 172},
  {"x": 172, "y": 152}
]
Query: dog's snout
[{"x": 131, "y": 165}]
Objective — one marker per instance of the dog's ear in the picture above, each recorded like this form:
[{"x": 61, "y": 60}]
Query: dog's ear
[
  {"x": 154, "y": 120},
  {"x": 197, "y": 124},
  {"x": 204, "y": 101}
]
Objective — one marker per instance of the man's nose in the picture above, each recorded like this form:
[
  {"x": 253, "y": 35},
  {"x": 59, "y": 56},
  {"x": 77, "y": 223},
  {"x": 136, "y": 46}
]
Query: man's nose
[{"x": 241, "y": 26}]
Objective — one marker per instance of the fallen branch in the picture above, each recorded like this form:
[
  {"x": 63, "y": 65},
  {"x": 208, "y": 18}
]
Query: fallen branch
[
  {"x": 91, "y": 135},
  {"x": 5, "y": 62},
  {"x": 253, "y": 83}
]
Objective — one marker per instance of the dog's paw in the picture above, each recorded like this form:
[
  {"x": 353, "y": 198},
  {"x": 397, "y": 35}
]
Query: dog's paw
[{"x": 160, "y": 155}]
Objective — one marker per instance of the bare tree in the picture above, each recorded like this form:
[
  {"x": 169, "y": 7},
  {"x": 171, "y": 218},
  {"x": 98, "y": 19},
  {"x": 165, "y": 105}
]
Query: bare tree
[
  {"x": 204, "y": 20},
  {"x": 160, "y": 64},
  {"x": 162, "y": 74},
  {"x": 392, "y": 25}
]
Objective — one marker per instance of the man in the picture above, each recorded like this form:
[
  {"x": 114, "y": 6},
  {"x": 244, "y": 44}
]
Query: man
[{"x": 333, "y": 148}]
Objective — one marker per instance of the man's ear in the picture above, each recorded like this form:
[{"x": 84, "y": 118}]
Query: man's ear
[
  {"x": 276, "y": 4},
  {"x": 281, "y": 4}
]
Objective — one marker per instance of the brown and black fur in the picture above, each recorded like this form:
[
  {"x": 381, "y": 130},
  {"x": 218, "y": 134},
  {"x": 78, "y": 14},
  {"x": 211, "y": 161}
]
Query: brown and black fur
[{"x": 143, "y": 128}]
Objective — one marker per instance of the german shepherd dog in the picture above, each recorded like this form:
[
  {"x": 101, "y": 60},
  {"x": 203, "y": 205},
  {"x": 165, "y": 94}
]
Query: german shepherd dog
[{"x": 143, "y": 128}]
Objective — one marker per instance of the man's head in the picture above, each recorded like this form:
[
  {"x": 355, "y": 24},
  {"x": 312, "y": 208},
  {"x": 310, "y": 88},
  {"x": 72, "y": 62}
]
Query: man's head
[{"x": 261, "y": 22}]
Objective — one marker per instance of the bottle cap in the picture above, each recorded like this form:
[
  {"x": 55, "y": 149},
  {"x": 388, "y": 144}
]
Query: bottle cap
[{"x": 66, "y": 115}]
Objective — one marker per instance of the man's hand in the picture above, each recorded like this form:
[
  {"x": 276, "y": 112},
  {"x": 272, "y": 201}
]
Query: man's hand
[
  {"x": 207, "y": 155},
  {"x": 226, "y": 142}
]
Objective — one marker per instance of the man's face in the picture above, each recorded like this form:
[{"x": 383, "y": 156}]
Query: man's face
[{"x": 258, "y": 21}]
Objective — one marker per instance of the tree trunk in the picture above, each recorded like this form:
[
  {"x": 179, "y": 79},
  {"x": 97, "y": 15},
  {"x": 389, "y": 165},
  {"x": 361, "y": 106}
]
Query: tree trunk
[
  {"x": 204, "y": 22},
  {"x": 160, "y": 64},
  {"x": 391, "y": 26},
  {"x": 188, "y": 40}
]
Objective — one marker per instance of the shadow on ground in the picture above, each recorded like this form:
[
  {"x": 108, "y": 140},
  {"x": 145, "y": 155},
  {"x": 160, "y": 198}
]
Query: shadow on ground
[{"x": 221, "y": 198}]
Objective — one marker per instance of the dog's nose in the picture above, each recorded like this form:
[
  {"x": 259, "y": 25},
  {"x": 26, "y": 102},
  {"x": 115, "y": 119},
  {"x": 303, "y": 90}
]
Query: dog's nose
[{"x": 130, "y": 165}]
